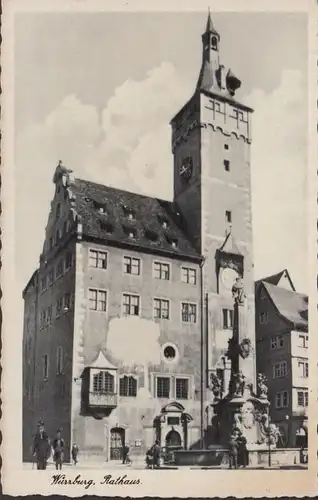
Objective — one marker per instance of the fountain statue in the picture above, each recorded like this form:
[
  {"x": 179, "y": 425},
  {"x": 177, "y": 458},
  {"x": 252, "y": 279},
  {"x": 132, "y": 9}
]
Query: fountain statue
[{"x": 240, "y": 408}]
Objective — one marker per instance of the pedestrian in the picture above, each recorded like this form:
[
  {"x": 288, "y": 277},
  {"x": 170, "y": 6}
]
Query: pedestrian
[
  {"x": 125, "y": 453},
  {"x": 41, "y": 446},
  {"x": 233, "y": 451},
  {"x": 58, "y": 449},
  {"x": 156, "y": 453},
  {"x": 75, "y": 451},
  {"x": 242, "y": 451}
]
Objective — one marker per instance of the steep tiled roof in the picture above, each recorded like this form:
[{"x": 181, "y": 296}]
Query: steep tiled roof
[
  {"x": 274, "y": 279},
  {"x": 291, "y": 305},
  {"x": 126, "y": 218}
]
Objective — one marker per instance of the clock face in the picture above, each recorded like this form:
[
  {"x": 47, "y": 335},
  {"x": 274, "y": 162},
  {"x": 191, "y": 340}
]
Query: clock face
[
  {"x": 228, "y": 277},
  {"x": 186, "y": 169}
]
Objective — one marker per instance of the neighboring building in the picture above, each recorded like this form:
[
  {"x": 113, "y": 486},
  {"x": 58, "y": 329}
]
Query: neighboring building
[
  {"x": 112, "y": 256},
  {"x": 282, "y": 353}
]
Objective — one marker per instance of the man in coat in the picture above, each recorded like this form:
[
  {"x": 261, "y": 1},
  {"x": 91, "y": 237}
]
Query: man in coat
[
  {"x": 41, "y": 447},
  {"x": 242, "y": 451},
  {"x": 58, "y": 448},
  {"x": 233, "y": 451}
]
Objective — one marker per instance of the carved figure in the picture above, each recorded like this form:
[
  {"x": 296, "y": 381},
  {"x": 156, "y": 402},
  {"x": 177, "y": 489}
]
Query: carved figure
[
  {"x": 237, "y": 421},
  {"x": 245, "y": 348},
  {"x": 262, "y": 388},
  {"x": 238, "y": 291},
  {"x": 248, "y": 418},
  {"x": 216, "y": 385},
  {"x": 237, "y": 384}
]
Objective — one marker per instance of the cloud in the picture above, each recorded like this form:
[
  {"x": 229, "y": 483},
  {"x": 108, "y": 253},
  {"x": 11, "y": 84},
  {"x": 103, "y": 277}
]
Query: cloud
[
  {"x": 279, "y": 178},
  {"x": 128, "y": 145}
]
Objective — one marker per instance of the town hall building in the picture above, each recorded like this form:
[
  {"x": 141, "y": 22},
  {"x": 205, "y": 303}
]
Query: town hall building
[{"x": 155, "y": 274}]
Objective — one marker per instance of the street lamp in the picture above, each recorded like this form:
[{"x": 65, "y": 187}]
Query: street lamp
[
  {"x": 269, "y": 441},
  {"x": 287, "y": 437}
]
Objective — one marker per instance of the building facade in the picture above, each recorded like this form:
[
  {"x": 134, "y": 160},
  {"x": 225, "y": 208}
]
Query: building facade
[
  {"x": 131, "y": 310},
  {"x": 282, "y": 354}
]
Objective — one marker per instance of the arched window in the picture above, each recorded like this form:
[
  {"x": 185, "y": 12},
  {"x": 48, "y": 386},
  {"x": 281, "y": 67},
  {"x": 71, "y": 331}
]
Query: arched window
[
  {"x": 214, "y": 43},
  {"x": 103, "y": 382},
  {"x": 128, "y": 386}
]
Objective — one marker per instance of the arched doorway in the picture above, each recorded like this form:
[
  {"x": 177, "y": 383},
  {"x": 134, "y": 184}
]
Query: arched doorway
[
  {"x": 117, "y": 442},
  {"x": 173, "y": 439}
]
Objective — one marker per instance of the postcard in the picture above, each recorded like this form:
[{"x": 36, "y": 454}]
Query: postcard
[{"x": 159, "y": 269}]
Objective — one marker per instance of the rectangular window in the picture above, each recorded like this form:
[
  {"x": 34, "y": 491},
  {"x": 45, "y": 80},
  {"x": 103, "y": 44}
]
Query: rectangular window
[
  {"x": 67, "y": 301},
  {"x": 45, "y": 367},
  {"x": 263, "y": 318},
  {"x": 49, "y": 314},
  {"x": 189, "y": 275},
  {"x": 226, "y": 164},
  {"x": 303, "y": 341},
  {"x": 163, "y": 387},
  {"x": 182, "y": 388},
  {"x": 226, "y": 146},
  {"x": 227, "y": 319},
  {"x": 280, "y": 369},
  {"x": 302, "y": 398},
  {"x": 161, "y": 271},
  {"x": 104, "y": 382},
  {"x": 188, "y": 312},
  {"x": 228, "y": 216},
  {"x": 131, "y": 304},
  {"x": 97, "y": 300},
  {"x": 59, "y": 268},
  {"x": 131, "y": 265},
  {"x": 59, "y": 360},
  {"x": 51, "y": 277},
  {"x": 98, "y": 259},
  {"x": 303, "y": 369},
  {"x": 58, "y": 306},
  {"x": 161, "y": 309},
  {"x": 68, "y": 260},
  {"x": 277, "y": 342},
  {"x": 128, "y": 386},
  {"x": 282, "y": 399}
]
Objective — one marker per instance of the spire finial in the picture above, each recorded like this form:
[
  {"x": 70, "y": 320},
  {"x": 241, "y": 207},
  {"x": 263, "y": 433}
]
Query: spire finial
[{"x": 209, "y": 25}]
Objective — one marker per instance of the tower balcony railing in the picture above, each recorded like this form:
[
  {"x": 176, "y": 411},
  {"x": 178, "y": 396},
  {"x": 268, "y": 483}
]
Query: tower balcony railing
[{"x": 103, "y": 399}]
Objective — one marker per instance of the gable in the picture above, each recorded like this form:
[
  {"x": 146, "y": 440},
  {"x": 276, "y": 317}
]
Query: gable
[
  {"x": 62, "y": 215},
  {"x": 285, "y": 281}
]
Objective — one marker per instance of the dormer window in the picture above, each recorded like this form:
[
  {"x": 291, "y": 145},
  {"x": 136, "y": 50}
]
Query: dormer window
[
  {"x": 130, "y": 231},
  {"x": 100, "y": 207},
  {"x": 173, "y": 241},
  {"x": 130, "y": 214},
  {"x": 163, "y": 221}
]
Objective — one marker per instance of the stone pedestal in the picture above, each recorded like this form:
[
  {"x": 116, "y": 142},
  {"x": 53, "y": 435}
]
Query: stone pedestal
[{"x": 243, "y": 412}]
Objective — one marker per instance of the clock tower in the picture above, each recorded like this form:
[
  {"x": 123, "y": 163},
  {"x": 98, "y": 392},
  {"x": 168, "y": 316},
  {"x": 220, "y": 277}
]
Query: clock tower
[{"x": 211, "y": 140}]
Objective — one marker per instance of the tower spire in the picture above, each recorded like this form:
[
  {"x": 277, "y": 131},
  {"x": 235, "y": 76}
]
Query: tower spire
[{"x": 209, "y": 25}]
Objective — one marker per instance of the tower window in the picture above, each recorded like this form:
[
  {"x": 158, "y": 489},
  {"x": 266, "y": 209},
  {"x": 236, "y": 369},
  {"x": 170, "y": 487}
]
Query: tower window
[
  {"x": 226, "y": 165},
  {"x": 228, "y": 216},
  {"x": 226, "y": 146},
  {"x": 214, "y": 43}
]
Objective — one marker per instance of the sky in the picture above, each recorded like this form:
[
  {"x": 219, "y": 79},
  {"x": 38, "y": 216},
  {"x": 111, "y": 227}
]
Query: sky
[{"x": 97, "y": 91}]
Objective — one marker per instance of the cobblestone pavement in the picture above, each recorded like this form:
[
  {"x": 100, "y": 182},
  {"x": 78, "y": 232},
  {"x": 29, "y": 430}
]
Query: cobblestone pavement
[{"x": 140, "y": 465}]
